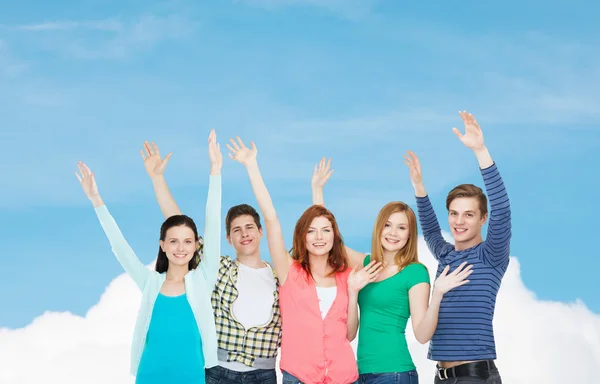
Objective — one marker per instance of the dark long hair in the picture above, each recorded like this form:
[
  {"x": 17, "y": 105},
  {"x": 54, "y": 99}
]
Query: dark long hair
[{"x": 162, "y": 262}]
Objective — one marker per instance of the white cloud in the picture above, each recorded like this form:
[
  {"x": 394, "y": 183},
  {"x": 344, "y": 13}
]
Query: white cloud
[{"x": 560, "y": 340}]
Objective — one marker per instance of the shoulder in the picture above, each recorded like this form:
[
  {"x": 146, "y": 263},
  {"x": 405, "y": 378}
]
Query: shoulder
[{"x": 416, "y": 271}]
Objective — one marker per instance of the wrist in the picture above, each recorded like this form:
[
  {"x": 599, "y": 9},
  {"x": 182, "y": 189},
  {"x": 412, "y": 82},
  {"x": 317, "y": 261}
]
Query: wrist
[
  {"x": 480, "y": 150},
  {"x": 437, "y": 295},
  {"x": 253, "y": 163},
  {"x": 97, "y": 201},
  {"x": 215, "y": 169},
  {"x": 420, "y": 190},
  {"x": 157, "y": 178}
]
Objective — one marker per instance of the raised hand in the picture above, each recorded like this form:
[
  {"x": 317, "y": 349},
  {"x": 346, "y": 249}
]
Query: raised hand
[
  {"x": 214, "y": 153},
  {"x": 412, "y": 161},
  {"x": 155, "y": 166},
  {"x": 321, "y": 173},
  {"x": 359, "y": 278},
  {"x": 88, "y": 183},
  {"x": 446, "y": 282},
  {"x": 240, "y": 152},
  {"x": 473, "y": 137}
]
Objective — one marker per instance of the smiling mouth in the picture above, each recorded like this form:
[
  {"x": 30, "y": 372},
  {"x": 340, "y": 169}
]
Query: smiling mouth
[
  {"x": 180, "y": 256},
  {"x": 319, "y": 245},
  {"x": 392, "y": 241},
  {"x": 245, "y": 242},
  {"x": 460, "y": 230}
]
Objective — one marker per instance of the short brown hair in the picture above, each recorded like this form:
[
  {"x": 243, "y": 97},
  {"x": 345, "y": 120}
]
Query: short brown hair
[
  {"x": 337, "y": 259},
  {"x": 241, "y": 210},
  {"x": 408, "y": 254},
  {"x": 468, "y": 190}
]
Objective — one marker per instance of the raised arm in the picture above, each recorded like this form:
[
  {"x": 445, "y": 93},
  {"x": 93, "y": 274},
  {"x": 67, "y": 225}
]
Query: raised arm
[
  {"x": 497, "y": 244},
  {"x": 155, "y": 167},
  {"x": 357, "y": 280},
  {"x": 121, "y": 249},
  {"x": 424, "y": 313},
  {"x": 279, "y": 254},
  {"x": 321, "y": 175},
  {"x": 212, "y": 227},
  {"x": 427, "y": 218}
]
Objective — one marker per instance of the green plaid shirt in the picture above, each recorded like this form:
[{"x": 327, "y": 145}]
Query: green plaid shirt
[{"x": 243, "y": 345}]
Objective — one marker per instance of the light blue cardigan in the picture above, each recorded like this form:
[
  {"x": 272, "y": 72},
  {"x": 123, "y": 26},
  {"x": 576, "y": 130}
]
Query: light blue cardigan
[{"x": 199, "y": 283}]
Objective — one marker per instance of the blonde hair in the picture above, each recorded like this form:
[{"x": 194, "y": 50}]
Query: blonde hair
[{"x": 408, "y": 254}]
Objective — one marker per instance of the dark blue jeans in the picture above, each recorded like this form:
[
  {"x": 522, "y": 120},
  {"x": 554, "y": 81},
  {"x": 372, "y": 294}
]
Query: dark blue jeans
[
  {"x": 220, "y": 375},
  {"x": 409, "y": 377},
  {"x": 289, "y": 379}
]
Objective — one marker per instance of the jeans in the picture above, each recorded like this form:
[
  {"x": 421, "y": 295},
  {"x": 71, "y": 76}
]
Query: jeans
[
  {"x": 220, "y": 375},
  {"x": 289, "y": 379},
  {"x": 493, "y": 379},
  {"x": 409, "y": 377}
]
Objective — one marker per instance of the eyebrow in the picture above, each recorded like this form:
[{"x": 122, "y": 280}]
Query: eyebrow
[
  {"x": 187, "y": 238},
  {"x": 327, "y": 227}
]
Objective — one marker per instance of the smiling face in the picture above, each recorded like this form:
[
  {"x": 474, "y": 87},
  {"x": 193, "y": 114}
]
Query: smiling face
[
  {"x": 245, "y": 236},
  {"x": 465, "y": 221},
  {"x": 319, "y": 238},
  {"x": 179, "y": 245},
  {"x": 395, "y": 233}
]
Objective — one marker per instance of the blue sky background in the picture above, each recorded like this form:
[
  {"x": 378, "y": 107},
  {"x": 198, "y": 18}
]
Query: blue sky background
[{"x": 360, "y": 81}]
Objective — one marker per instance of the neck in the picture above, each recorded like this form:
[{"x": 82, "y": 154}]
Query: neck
[
  {"x": 389, "y": 258},
  {"x": 461, "y": 246},
  {"x": 318, "y": 264},
  {"x": 251, "y": 261},
  {"x": 177, "y": 272}
]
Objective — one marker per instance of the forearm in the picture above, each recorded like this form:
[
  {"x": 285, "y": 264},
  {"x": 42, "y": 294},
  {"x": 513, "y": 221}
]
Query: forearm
[
  {"x": 352, "y": 321},
  {"x": 167, "y": 204},
  {"x": 425, "y": 328},
  {"x": 317, "y": 196},
  {"x": 261, "y": 192},
  {"x": 483, "y": 157},
  {"x": 420, "y": 190},
  {"x": 212, "y": 229}
]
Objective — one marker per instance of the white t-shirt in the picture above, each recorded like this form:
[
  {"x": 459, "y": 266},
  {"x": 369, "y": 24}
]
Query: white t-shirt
[
  {"x": 326, "y": 297},
  {"x": 254, "y": 304}
]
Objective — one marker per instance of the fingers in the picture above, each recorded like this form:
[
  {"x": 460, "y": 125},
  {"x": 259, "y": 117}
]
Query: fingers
[
  {"x": 148, "y": 148},
  {"x": 166, "y": 160},
  {"x": 253, "y": 146},
  {"x": 156, "y": 151},
  {"x": 445, "y": 271},
  {"x": 143, "y": 156},
  {"x": 242, "y": 145},
  {"x": 78, "y": 177},
  {"x": 234, "y": 145},
  {"x": 457, "y": 133},
  {"x": 232, "y": 150}
]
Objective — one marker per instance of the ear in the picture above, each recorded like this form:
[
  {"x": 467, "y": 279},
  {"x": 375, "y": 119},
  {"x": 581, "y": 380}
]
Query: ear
[
  {"x": 484, "y": 219},
  {"x": 228, "y": 239},
  {"x": 162, "y": 245},
  {"x": 260, "y": 231}
]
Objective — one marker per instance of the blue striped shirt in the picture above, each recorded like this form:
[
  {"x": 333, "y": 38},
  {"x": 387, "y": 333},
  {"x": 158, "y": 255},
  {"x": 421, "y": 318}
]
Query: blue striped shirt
[{"x": 464, "y": 331}]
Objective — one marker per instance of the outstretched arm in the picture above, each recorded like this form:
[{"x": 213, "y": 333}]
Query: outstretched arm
[
  {"x": 320, "y": 176},
  {"x": 423, "y": 313},
  {"x": 155, "y": 167},
  {"x": 427, "y": 218},
  {"x": 357, "y": 280},
  {"x": 121, "y": 249},
  {"x": 497, "y": 245},
  {"x": 279, "y": 254},
  {"x": 212, "y": 228}
]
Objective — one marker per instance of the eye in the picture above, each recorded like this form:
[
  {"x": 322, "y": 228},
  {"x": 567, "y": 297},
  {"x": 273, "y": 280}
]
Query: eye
[
  {"x": 469, "y": 215},
  {"x": 386, "y": 225},
  {"x": 311, "y": 230},
  {"x": 327, "y": 230},
  {"x": 189, "y": 241},
  {"x": 452, "y": 213},
  {"x": 173, "y": 241}
]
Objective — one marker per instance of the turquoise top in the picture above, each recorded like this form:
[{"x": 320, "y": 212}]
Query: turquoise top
[
  {"x": 173, "y": 351},
  {"x": 199, "y": 283}
]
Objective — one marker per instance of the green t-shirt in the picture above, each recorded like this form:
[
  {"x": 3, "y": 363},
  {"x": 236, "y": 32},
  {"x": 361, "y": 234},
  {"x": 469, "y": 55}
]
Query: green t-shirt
[{"x": 384, "y": 313}]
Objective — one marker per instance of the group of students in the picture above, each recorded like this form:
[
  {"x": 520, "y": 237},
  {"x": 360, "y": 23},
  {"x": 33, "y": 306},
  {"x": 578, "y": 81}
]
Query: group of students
[{"x": 207, "y": 318}]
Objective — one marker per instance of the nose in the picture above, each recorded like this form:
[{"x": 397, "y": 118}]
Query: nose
[
  {"x": 460, "y": 219},
  {"x": 319, "y": 235}
]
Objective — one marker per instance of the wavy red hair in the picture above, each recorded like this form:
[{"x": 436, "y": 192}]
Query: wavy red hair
[{"x": 337, "y": 259}]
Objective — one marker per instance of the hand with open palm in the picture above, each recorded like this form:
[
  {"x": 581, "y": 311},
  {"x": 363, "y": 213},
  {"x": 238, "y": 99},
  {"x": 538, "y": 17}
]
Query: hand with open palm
[
  {"x": 447, "y": 281},
  {"x": 473, "y": 136},
  {"x": 322, "y": 173},
  {"x": 359, "y": 278},
  {"x": 88, "y": 183},
  {"x": 241, "y": 153},
  {"x": 154, "y": 164}
]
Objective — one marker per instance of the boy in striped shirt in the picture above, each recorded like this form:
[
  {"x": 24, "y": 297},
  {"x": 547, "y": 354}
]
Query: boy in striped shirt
[{"x": 463, "y": 343}]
